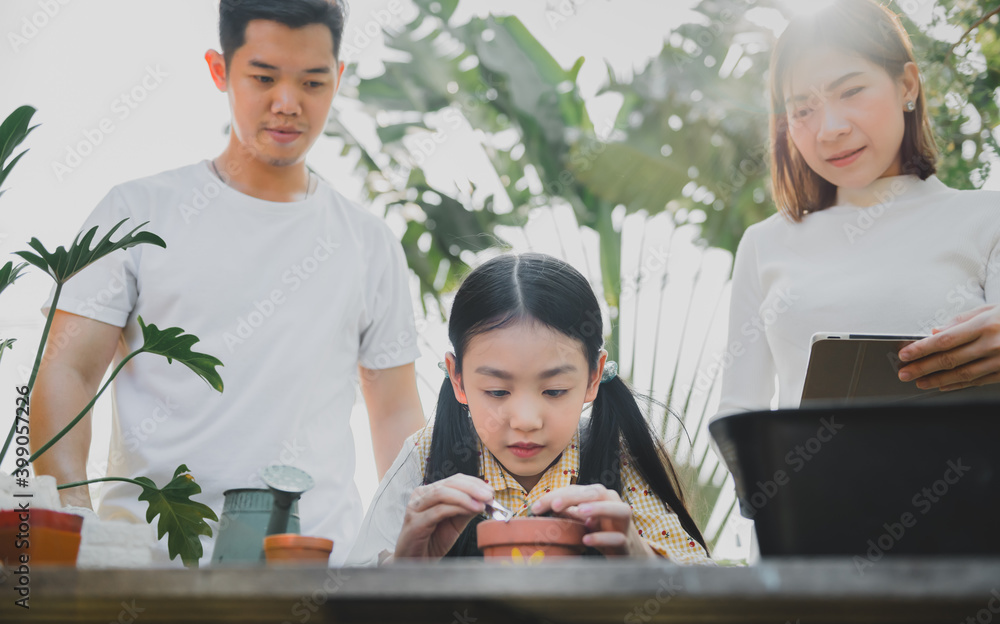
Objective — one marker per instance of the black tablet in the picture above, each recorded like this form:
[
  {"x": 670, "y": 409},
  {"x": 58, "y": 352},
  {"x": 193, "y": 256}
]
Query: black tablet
[{"x": 845, "y": 367}]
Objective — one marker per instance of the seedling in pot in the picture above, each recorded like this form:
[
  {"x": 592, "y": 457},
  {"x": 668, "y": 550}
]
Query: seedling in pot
[{"x": 181, "y": 519}]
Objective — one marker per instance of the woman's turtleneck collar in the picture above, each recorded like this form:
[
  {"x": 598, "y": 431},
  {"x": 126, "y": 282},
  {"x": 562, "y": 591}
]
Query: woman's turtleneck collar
[{"x": 887, "y": 190}]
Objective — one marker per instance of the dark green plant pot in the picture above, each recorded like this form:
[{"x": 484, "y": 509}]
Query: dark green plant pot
[{"x": 246, "y": 514}]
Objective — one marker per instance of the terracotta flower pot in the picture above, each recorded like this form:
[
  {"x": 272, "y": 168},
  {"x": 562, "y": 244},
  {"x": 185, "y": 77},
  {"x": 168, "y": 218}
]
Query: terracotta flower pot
[
  {"x": 46, "y": 536},
  {"x": 529, "y": 540},
  {"x": 294, "y": 549}
]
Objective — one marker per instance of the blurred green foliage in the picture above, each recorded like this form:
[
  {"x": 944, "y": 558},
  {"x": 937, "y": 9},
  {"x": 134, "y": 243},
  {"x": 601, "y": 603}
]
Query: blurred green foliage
[{"x": 690, "y": 137}]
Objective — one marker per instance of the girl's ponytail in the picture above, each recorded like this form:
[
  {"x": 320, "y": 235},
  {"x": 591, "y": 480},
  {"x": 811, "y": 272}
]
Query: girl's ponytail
[
  {"x": 454, "y": 449},
  {"x": 615, "y": 419},
  {"x": 454, "y": 444}
]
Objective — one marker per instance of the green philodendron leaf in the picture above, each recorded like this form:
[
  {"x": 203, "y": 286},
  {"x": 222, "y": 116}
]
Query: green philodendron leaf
[
  {"x": 62, "y": 264},
  {"x": 6, "y": 344},
  {"x": 173, "y": 344},
  {"x": 13, "y": 131},
  {"x": 9, "y": 274},
  {"x": 621, "y": 174},
  {"x": 181, "y": 518}
]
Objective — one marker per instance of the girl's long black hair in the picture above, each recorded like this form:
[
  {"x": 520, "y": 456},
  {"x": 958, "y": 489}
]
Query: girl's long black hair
[{"x": 536, "y": 287}]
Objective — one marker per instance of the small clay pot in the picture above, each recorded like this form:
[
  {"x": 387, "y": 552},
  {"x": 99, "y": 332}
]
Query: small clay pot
[
  {"x": 528, "y": 540},
  {"x": 294, "y": 549},
  {"x": 47, "y": 537}
]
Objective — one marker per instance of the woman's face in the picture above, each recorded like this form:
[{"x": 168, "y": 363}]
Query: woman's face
[
  {"x": 846, "y": 116},
  {"x": 526, "y": 385}
]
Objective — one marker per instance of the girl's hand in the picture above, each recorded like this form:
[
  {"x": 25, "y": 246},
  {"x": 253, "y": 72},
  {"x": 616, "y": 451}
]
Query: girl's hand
[
  {"x": 964, "y": 353},
  {"x": 438, "y": 513},
  {"x": 606, "y": 515}
]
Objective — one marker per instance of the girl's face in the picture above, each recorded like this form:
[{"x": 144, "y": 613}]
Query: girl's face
[
  {"x": 525, "y": 385},
  {"x": 846, "y": 116}
]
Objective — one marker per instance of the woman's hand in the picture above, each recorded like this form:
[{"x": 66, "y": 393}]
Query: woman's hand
[
  {"x": 607, "y": 517},
  {"x": 438, "y": 513},
  {"x": 964, "y": 353}
]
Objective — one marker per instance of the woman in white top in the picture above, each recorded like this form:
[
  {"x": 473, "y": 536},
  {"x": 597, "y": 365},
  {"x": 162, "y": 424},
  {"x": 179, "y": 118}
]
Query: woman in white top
[{"x": 867, "y": 239}]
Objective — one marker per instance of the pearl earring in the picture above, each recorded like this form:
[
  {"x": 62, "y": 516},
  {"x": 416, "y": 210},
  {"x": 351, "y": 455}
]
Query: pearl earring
[{"x": 910, "y": 106}]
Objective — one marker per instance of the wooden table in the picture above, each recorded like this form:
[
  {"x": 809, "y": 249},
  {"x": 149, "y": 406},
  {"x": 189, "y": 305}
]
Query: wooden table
[{"x": 473, "y": 592}]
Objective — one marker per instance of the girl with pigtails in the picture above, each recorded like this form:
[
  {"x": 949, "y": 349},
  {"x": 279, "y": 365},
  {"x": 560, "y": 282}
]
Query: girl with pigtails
[{"x": 527, "y": 335}]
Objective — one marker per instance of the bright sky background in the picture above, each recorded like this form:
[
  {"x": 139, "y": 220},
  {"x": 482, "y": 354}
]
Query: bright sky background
[{"x": 75, "y": 64}]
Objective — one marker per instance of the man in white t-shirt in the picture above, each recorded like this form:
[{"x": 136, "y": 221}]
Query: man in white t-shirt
[{"x": 299, "y": 292}]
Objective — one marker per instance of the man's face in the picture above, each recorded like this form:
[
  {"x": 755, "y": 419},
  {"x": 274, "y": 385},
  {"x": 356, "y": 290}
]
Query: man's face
[{"x": 281, "y": 83}]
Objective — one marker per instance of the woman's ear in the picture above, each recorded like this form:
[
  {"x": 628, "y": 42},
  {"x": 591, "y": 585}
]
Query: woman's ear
[
  {"x": 594, "y": 384},
  {"x": 455, "y": 377},
  {"x": 910, "y": 83},
  {"x": 217, "y": 68}
]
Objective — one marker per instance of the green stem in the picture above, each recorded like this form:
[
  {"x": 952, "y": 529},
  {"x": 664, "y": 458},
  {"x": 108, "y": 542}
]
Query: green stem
[
  {"x": 697, "y": 364},
  {"x": 656, "y": 353},
  {"x": 66, "y": 486},
  {"x": 722, "y": 525},
  {"x": 635, "y": 296},
  {"x": 34, "y": 369},
  {"x": 656, "y": 335},
  {"x": 610, "y": 245},
  {"x": 86, "y": 409},
  {"x": 704, "y": 412},
  {"x": 45, "y": 337},
  {"x": 677, "y": 362}
]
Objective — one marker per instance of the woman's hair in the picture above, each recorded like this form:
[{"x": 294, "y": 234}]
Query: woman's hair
[
  {"x": 538, "y": 288},
  {"x": 859, "y": 27}
]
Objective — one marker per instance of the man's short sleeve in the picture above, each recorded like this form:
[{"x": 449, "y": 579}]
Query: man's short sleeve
[
  {"x": 105, "y": 291},
  {"x": 390, "y": 337}
]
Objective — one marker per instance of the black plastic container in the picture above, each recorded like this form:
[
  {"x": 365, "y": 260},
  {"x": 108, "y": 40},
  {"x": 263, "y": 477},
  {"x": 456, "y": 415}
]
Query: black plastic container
[{"x": 869, "y": 481}]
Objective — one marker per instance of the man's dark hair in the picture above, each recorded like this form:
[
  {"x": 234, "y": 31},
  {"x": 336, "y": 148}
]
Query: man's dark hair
[{"x": 234, "y": 15}]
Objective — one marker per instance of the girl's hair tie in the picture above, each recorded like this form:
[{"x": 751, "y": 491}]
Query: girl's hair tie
[{"x": 610, "y": 371}]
